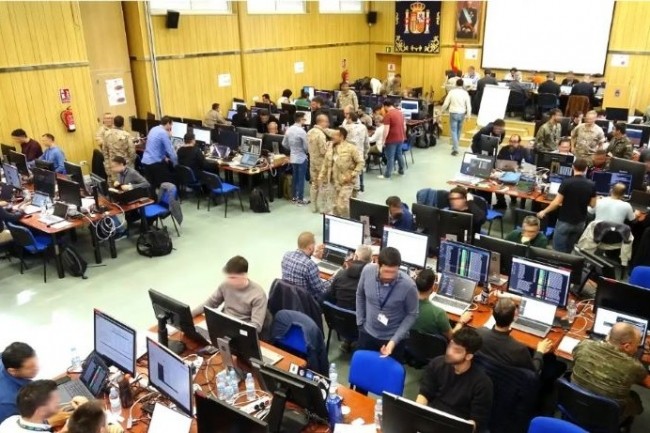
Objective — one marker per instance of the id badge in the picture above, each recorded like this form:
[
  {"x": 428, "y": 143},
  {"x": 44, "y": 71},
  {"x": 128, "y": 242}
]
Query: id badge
[{"x": 382, "y": 319}]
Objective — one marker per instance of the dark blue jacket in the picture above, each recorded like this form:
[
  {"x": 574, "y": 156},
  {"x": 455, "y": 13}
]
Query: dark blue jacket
[
  {"x": 519, "y": 154},
  {"x": 405, "y": 222},
  {"x": 315, "y": 341},
  {"x": 9, "y": 387}
]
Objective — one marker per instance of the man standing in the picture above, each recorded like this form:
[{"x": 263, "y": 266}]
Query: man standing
[
  {"x": 214, "y": 117},
  {"x": 53, "y": 153},
  {"x": 316, "y": 107},
  {"x": 19, "y": 367},
  {"x": 317, "y": 147},
  {"x": 529, "y": 233},
  {"x": 459, "y": 106},
  {"x": 28, "y": 146},
  {"x": 347, "y": 97},
  {"x": 393, "y": 86},
  {"x": 549, "y": 134},
  {"x": 584, "y": 88},
  {"x": 620, "y": 146},
  {"x": 394, "y": 137},
  {"x": 453, "y": 384},
  {"x": 295, "y": 139},
  {"x": 587, "y": 137},
  {"x": 549, "y": 86},
  {"x": 576, "y": 193},
  {"x": 492, "y": 129},
  {"x": 299, "y": 269},
  {"x": 472, "y": 75},
  {"x": 387, "y": 305},
  {"x": 158, "y": 152},
  {"x": 341, "y": 166},
  {"x": 489, "y": 78},
  {"x": 357, "y": 135},
  {"x": 118, "y": 142},
  {"x": 37, "y": 401},
  {"x": 107, "y": 124}
]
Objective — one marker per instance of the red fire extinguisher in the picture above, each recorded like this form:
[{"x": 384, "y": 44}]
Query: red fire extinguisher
[{"x": 68, "y": 120}]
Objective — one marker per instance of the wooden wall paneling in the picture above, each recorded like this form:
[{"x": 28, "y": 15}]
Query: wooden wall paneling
[
  {"x": 630, "y": 30},
  {"x": 384, "y": 31},
  {"x": 196, "y": 34}
]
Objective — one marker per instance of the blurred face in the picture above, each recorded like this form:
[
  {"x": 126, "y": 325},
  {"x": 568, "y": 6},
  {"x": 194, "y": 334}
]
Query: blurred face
[
  {"x": 599, "y": 160},
  {"x": 168, "y": 128},
  {"x": 564, "y": 147},
  {"x": 515, "y": 142},
  {"x": 264, "y": 118},
  {"x": 616, "y": 133},
  {"x": 46, "y": 141},
  {"x": 116, "y": 167},
  {"x": 19, "y": 140},
  {"x": 28, "y": 370},
  {"x": 52, "y": 406},
  {"x": 314, "y": 105},
  {"x": 498, "y": 130},
  {"x": 273, "y": 128},
  {"x": 345, "y": 88},
  {"x": 457, "y": 201},
  {"x": 557, "y": 117},
  {"x": 388, "y": 274},
  {"x": 529, "y": 231},
  {"x": 471, "y": 71},
  {"x": 395, "y": 211},
  {"x": 590, "y": 118},
  {"x": 323, "y": 121},
  {"x": 456, "y": 354},
  {"x": 265, "y": 99},
  {"x": 346, "y": 112},
  {"x": 107, "y": 120},
  {"x": 337, "y": 137},
  {"x": 238, "y": 281}
]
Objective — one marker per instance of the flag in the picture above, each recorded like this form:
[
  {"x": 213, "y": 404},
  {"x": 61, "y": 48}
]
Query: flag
[{"x": 455, "y": 59}]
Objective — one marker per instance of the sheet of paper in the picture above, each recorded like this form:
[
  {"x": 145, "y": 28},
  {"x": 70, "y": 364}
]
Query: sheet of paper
[
  {"x": 490, "y": 323},
  {"x": 61, "y": 225},
  {"x": 165, "y": 420},
  {"x": 224, "y": 80},
  {"x": 116, "y": 92},
  {"x": 471, "y": 53},
  {"x": 354, "y": 428},
  {"x": 299, "y": 67},
  {"x": 567, "y": 344}
]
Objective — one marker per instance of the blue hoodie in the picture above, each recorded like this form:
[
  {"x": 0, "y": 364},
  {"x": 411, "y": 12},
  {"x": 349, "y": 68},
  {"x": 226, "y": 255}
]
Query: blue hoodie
[
  {"x": 9, "y": 387},
  {"x": 405, "y": 222}
]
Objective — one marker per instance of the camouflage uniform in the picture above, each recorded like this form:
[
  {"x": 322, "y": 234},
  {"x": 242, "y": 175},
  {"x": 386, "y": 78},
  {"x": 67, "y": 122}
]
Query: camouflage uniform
[
  {"x": 358, "y": 135},
  {"x": 117, "y": 142},
  {"x": 586, "y": 140},
  {"x": 341, "y": 166},
  {"x": 605, "y": 370},
  {"x": 317, "y": 147},
  {"x": 99, "y": 135},
  {"x": 343, "y": 100},
  {"x": 621, "y": 148},
  {"x": 547, "y": 137}
]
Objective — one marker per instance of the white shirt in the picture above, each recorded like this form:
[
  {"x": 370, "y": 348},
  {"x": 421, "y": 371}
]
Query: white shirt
[
  {"x": 283, "y": 100},
  {"x": 378, "y": 137},
  {"x": 375, "y": 85},
  {"x": 10, "y": 425},
  {"x": 613, "y": 210},
  {"x": 458, "y": 102},
  {"x": 474, "y": 79}
]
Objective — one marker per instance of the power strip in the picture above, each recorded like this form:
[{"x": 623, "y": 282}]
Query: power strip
[{"x": 256, "y": 405}]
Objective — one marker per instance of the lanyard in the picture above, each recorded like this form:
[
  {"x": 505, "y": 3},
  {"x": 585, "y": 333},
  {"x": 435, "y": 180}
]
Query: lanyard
[
  {"x": 390, "y": 292},
  {"x": 33, "y": 428}
]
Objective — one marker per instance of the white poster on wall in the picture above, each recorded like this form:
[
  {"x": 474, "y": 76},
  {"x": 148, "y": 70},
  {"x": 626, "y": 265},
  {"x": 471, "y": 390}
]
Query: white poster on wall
[
  {"x": 299, "y": 67},
  {"x": 224, "y": 80},
  {"x": 471, "y": 53},
  {"x": 620, "y": 60},
  {"x": 115, "y": 92}
]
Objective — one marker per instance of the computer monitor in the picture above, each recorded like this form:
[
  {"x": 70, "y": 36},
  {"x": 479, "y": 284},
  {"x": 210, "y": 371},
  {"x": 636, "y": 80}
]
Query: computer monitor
[
  {"x": 202, "y": 135},
  {"x": 426, "y": 222},
  {"x": 309, "y": 90},
  {"x": 100, "y": 183},
  {"x": 636, "y": 169},
  {"x": 605, "y": 180},
  {"x": 489, "y": 145},
  {"x": 413, "y": 247},
  {"x": 635, "y": 136},
  {"x": 572, "y": 262},
  {"x": 324, "y": 94},
  {"x": 342, "y": 232},
  {"x": 240, "y": 337},
  {"x": 74, "y": 172},
  {"x": 617, "y": 114},
  {"x": 250, "y": 145},
  {"x": 18, "y": 159},
  {"x": 406, "y": 416},
  {"x": 287, "y": 387},
  {"x": 179, "y": 129},
  {"x": 465, "y": 260},
  {"x": 605, "y": 125},
  {"x": 623, "y": 297},
  {"x": 506, "y": 249},
  {"x": 477, "y": 165},
  {"x": 289, "y": 109},
  {"x": 176, "y": 119},
  {"x": 174, "y": 313},
  {"x": 152, "y": 123},
  {"x": 377, "y": 215},
  {"x": 231, "y": 114},
  {"x": 44, "y": 181},
  {"x": 555, "y": 163},
  {"x": 336, "y": 116},
  {"x": 5, "y": 149},
  {"x": 538, "y": 280},
  {"x": 193, "y": 123},
  {"x": 272, "y": 143},
  {"x": 409, "y": 106},
  {"x": 606, "y": 318},
  {"x": 115, "y": 342},
  {"x": 645, "y": 133},
  {"x": 247, "y": 132},
  {"x": 170, "y": 375},
  {"x": 45, "y": 165},
  {"x": 596, "y": 266},
  {"x": 12, "y": 176},
  {"x": 228, "y": 137},
  {"x": 263, "y": 105},
  {"x": 215, "y": 416},
  {"x": 139, "y": 126},
  {"x": 456, "y": 226},
  {"x": 69, "y": 192}
]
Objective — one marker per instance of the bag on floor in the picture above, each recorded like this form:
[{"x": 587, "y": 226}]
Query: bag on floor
[
  {"x": 258, "y": 201},
  {"x": 155, "y": 242},
  {"x": 73, "y": 262},
  {"x": 287, "y": 186}
]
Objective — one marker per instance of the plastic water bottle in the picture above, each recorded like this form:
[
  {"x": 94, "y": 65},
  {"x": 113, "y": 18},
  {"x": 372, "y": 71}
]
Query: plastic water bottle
[
  {"x": 75, "y": 360},
  {"x": 234, "y": 380},
  {"x": 221, "y": 389},
  {"x": 115, "y": 402},
  {"x": 334, "y": 408},
  {"x": 229, "y": 392},
  {"x": 379, "y": 412},
  {"x": 572, "y": 311},
  {"x": 334, "y": 377},
  {"x": 250, "y": 388}
]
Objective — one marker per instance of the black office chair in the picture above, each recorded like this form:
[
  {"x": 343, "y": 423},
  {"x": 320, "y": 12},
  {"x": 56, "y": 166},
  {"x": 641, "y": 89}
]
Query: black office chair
[
  {"x": 546, "y": 102},
  {"x": 422, "y": 348},
  {"x": 516, "y": 102},
  {"x": 341, "y": 321}
]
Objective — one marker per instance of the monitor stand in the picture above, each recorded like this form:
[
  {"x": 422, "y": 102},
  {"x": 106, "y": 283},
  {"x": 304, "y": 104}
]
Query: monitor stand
[
  {"x": 223, "y": 344},
  {"x": 98, "y": 208},
  {"x": 367, "y": 238},
  {"x": 163, "y": 337},
  {"x": 281, "y": 421}
]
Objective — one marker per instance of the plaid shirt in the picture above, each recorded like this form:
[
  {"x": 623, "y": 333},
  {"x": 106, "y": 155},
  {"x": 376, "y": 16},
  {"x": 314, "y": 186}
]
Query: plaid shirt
[{"x": 299, "y": 270}]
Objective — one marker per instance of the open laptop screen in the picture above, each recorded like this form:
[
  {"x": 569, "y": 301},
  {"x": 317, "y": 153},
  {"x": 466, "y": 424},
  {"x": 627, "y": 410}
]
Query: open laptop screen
[{"x": 538, "y": 311}]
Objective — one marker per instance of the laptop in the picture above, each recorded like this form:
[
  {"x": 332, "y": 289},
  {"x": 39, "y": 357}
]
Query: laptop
[
  {"x": 249, "y": 160},
  {"x": 535, "y": 317},
  {"x": 565, "y": 90},
  {"x": 553, "y": 188},
  {"x": 59, "y": 214},
  {"x": 91, "y": 382},
  {"x": 474, "y": 168},
  {"x": 126, "y": 197},
  {"x": 606, "y": 318},
  {"x": 333, "y": 259},
  {"x": 640, "y": 200},
  {"x": 507, "y": 165},
  {"x": 455, "y": 293},
  {"x": 39, "y": 201}
]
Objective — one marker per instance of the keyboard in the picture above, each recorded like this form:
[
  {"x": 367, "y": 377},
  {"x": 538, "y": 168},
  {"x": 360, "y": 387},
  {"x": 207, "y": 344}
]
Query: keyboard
[
  {"x": 50, "y": 219},
  {"x": 72, "y": 389},
  {"x": 269, "y": 356},
  {"x": 328, "y": 268},
  {"x": 531, "y": 327},
  {"x": 465, "y": 178},
  {"x": 450, "y": 305},
  {"x": 31, "y": 209}
]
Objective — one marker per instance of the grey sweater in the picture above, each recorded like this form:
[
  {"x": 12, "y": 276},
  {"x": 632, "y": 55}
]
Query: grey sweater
[{"x": 247, "y": 304}]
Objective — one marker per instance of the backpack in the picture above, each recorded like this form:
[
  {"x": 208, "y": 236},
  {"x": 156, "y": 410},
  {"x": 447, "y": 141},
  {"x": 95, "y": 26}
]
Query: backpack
[
  {"x": 73, "y": 262},
  {"x": 155, "y": 242},
  {"x": 258, "y": 201},
  {"x": 287, "y": 190}
]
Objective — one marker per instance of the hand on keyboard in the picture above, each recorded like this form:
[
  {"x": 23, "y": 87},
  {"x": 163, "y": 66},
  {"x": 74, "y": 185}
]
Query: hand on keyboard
[
  {"x": 466, "y": 317},
  {"x": 545, "y": 346}
]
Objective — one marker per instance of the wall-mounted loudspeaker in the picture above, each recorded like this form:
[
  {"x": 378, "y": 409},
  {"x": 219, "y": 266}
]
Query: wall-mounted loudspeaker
[
  {"x": 172, "y": 19},
  {"x": 371, "y": 17}
]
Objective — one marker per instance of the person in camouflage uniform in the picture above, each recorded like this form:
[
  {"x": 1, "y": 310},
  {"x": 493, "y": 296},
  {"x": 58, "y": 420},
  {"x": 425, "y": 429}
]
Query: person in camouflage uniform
[
  {"x": 620, "y": 146},
  {"x": 317, "y": 147},
  {"x": 609, "y": 368},
  {"x": 107, "y": 124},
  {"x": 347, "y": 97},
  {"x": 341, "y": 166},
  {"x": 117, "y": 142},
  {"x": 357, "y": 135},
  {"x": 549, "y": 134},
  {"x": 587, "y": 137}
]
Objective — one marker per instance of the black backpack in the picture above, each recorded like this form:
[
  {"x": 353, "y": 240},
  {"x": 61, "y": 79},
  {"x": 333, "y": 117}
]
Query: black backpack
[
  {"x": 73, "y": 262},
  {"x": 155, "y": 242},
  {"x": 258, "y": 201}
]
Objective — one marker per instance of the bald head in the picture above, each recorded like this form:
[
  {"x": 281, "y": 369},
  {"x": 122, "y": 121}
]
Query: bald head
[
  {"x": 625, "y": 336},
  {"x": 306, "y": 240},
  {"x": 322, "y": 120}
]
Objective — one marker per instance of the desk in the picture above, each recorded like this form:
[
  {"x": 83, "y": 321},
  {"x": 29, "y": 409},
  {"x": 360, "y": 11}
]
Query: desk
[{"x": 492, "y": 187}]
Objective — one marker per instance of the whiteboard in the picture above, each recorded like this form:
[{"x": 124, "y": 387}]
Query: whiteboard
[{"x": 493, "y": 104}]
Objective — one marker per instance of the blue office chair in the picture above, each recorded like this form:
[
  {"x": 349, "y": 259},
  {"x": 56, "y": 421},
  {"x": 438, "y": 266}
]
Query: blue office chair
[
  {"x": 369, "y": 372},
  {"x": 341, "y": 321},
  {"x": 185, "y": 178},
  {"x": 219, "y": 188},
  {"x": 407, "y": 146},
  {"x": 520, "y": 214},
  {"x": 294, "y": 341},
  {"x": 641, "y": 276},
  {"x": 543, "y": 424},
  {"x": 421, "y": 348},
  {"x": 33, "y": 244},
  {"x": 159, "y": 211},
  {"x": 490, "y": 214}
]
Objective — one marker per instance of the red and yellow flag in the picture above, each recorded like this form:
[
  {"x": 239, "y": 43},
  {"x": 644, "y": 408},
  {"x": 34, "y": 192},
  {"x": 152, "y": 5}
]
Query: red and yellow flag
[{"x": 455, "y": 59}]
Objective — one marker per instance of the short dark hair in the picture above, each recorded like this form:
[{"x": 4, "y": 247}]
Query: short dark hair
[
  {"x": 388, "y": 103},
  {"x": 398, "y": 75},
  {"x": 48, "y": 135},
  {"x": 580, "y": 164},
  {"x": 343, "y": 132},
  {"x": 298, "y": 116},
  {"x": 600, "y": 152},
  {"x": 389, "y": 256},
  {"x": 87, "y": 418},
  {"x": 499, "y": 122},
  {"x": 459, "y": 82},
  {"x": 353, "y": 116},
  {"x": 393, "y": 201},
  {"x": 513, "y": 70},
  {"x": 267, "y": 96},
  {"x": 620, "y": 127},
  {"x": 165, "y": 120},
  {"x": 554, "y": 111},
  {"x": 34, "y": 395},
  {"x": 425, "y": 280},
  {"x": 241, "y": 109},
  {"x": 19, "y": 133},
  {"x": 488, "y": 72},
  {"x": 577, "y": 114},
  {"x": 564, "y": 139},
  {"x": 263, "y": 112},
  {"x": 287, "y": 93},
  {"x": 504, "y": 312},
  {"x": 119, "y": 160},
  {"x": 118, "y": 121},
  {"x": 459, "y": 190},
  {"x": 188, "y": 138},
  {"x": 15, "y": 355},
  {"x": 377, "y": 108},
  {"x": 469, "y": 339},
  {"x": 318, "y": 100},
  {"x": 236, "y": 265},
  {"x": 215, "y": 105},
  {"x": 601, "y": 113}
]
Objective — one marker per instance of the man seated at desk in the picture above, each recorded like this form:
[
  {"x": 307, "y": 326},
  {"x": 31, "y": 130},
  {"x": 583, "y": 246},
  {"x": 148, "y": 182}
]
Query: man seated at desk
[
  {"x": 189, "y": 155},
  {"x": 584, "y": 88},
  {"x": 529, "y": 233},
  {"x": 53, "y": 153},
  {"x": 453, "y": 384},
  {"x": 515, "y": 86},
  {"x": 19, "y": 367},
  {"x": 570, "y": 79},
  {"x": 614, "y": 209},
  {"x": 28, "y": 146},
  {"x": 127, "y": 178},
  {"x": 513, "y": 151},
  {"x": 261, "y": 122},
  {"x": 459, "y": 202},
  {"x": 492, "y": 129},
  {"x": 37, "y": 401},
  {"x": 609, "y": 368},
  {"x": 214, "y": 117},
  {"x": 599, "y": 162},
  {"x": 564, "y": 147},
  {"x": 299, "y": 269},
  {"x": 472, "y": 75},
  {"x": 343, "y": 286},
  {"x": 620, "y": 146},
  {"x": 91, "y": 418},
  {"x": 242, "y": 298},
  {"x": 400, "y": 216}
]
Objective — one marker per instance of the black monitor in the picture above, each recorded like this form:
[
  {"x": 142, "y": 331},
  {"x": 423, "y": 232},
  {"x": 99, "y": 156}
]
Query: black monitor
[
  {"x": 20, "y": 161},
  {"x": 44, "y": 181},
  {"x": 139, "y": 126},
  {"x": 636, "y": 169},
  {"x": 326, "y": 95},
  {"x": 272, "y": 143},
  {"x": 539, "y": 280},
  {"x": 115, "y": 342},
  {"x": 556, "y": 163},
  {"x": 194, "y": 123},
  {"x": 176, "y": 119},
  {"x": 506, "y": 249},
  {"x": 465, "y": 260},
  {"x": 228, "y": 137},
  {"x": 336, "y": 116},
  {"x": 605, "y": 125},
  {"x": 617, "y": 114},
  {"x": 644, "y": 140},
  {"x": 74, "y": 172},
  {"x": 100, "y": 183},
  {"x": 170, "y": 375},
  {"x": 426, "y": 222},
  {"x": 289, "y": 109},
  {"x": 489, "y": 145},
  {"x": 605, "y": 180},
  {"x": 413, "y": 247},
  {"x": 456, "y": 226},
  {"x": 240, "y": 337},
  {"x": 377, "y": 215},
  {"x": 596, "y": 266},
  {"x": 45, "y": 165},
  {"x": 263, "y": 105},
  {"x": 247, "y": 132},
  {"x": 5, "y": 149},
  {"x": 623, "y": 297},
  {"x": 214, "y": 416},
  {"x": 152, "y": 124},
  {"x": 572, "y": 262},
  {"x": 287, "y": 387},
  {"x": 12, "y": 176},
  {"x": 405, "y": 416},
  {"x": 69, "y": 192}
]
